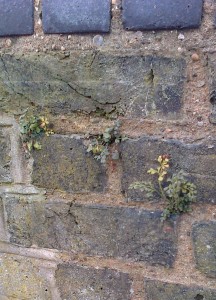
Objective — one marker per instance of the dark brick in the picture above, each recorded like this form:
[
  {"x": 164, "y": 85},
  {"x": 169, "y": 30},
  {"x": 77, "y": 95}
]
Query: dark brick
[
  {"x": 198, "y": 160},
  {"x": 170, "y": 291},
  {"x": 136, "y": 85},
  {"x": 5, "y": 159},
  {"x": 64, "y": 164},
  {"x": 76, "y": 282},
  {"x": 212, "y": 74},
  {"x": 127, "y": 233},
  {"x": 157, "y": 14},
  {"x": 16, "y": 17},
  {"x": 204, "y": 242},
  {"x": 212, "y": 117},
  {"x": 68, "y": 16}
]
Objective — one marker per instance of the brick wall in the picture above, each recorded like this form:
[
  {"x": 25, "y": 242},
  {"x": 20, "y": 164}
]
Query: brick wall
[{"x": 69, "y": 226}]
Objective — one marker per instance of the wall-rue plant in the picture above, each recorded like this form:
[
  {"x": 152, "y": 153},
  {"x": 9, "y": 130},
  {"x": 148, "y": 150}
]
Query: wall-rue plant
[
  {"x": 176, "y": 191},
  {"x": 100, "y": 144},
  {"x": 31, "y": 129}
]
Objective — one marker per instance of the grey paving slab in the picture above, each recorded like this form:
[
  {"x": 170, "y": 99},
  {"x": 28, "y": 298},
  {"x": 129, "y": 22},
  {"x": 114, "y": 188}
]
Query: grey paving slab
[
  {"x": 16, "y": 17},
  {"x": 71, "y": 16},
  {"x": 161, "y": 14}
]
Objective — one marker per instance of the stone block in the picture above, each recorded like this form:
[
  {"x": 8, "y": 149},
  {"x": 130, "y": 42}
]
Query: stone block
[
  {"x": 212, "y": 116},
  {"x": 198, "y": 160},
  {"x": 3, "y": 234},
  {"x": 157, "y": 14},
  {"x": 16, "y": 17},
  {"x": 126, "y": 233},
  {"x": 64, "y": 164},
  {"x": 212, "y": 76},
  {"x": 21, "y": 278},
  {"x": 138, "y": 86},
  {"x": 170, "y": 291},
  {"x": 77, "y": 282},
  {"x": 204, "y": 243},
  {"x": 69, "y": 16},
  {"x": 5, "y": 159}
]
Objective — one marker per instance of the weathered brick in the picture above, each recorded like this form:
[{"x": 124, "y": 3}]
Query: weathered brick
[
  {"x": 170, "y": 291},
  {"x": 76, "y": 282},
  {"x": 204, "y": 243},
  {"x": 212, "y": 116},
  {"x": 198, "y": 160},
  {"x": 16, "y": 18},
  {"x": 5, "y": 159},
  {"x": 136, "y": 85},
  {"x": 212, "y": 76},
  {"x": 20, "y": 278},
  {"x": 68, "y": 16},
  {"x": 64, "y": 164},
  {"x": 3, "y": 234},
  {"x": 157, "y": 14},
  {"x": 127, "y": 233}
]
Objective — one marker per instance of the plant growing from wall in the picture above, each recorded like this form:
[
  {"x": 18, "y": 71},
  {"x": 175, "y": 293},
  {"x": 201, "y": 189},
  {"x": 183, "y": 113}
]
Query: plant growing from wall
[
  {"x": 100, "y": 145},
  {"x": 177, "y": 192},
  {"x": 32, "y": 128}
]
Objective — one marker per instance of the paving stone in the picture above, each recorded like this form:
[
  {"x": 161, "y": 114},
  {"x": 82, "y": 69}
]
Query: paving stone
[
  {"x": 68, "y": 16},
  {"x": 92, "y": 82},
  {"x": 170, "y": 291},
  {"x": 198, "y": 160},
  {"x": 76, "y": 282},
  {"x": 126, "y": 233},
  {"x": 204, "y": 242},
  {"x": 64, "y": 164},
  {"x": 20, "y": 278},
  {"x": 157, "y": 14},
  {"x": 16, "y": 17},
  {"x": 5, "y": 159}
]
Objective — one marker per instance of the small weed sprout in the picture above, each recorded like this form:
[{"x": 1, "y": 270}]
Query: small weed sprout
[
  {"x": 31, "y": 129},
  {"x": 100, "y": 144},
  {"x": 176, "y": 191}
]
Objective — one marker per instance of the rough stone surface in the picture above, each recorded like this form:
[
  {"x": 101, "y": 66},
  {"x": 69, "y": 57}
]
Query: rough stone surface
[
  {"x": 16, "y": 17},
  {"x": 93, "y": 230},
  {"x": 212, "y": 116},
  {"x": 157, "y": 14},
  {"x": 198, "y": 160},
  {"x": 5, "y": 158},
  {"x": 204, "y": 241},
  {"x": 76, "y": 282},
  {"x": 20, "y": 278},
  {"x": 212, "y": 76},
  {"x": 68, "y": 166},
  {"x": 67, "y": 16},
  {"x": 91, "y": 81},
  {"x": 167, "y": 291}
]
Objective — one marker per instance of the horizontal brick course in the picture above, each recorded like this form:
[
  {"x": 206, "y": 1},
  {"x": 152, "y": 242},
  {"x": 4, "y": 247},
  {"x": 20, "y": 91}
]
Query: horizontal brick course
[
  {"x": 204, "y": 244},
  {"x": 170, "y": 291},
  {"x": 126, "y": 233},
  {"x": 137, "y": 85},
  {"x": 77, "y": 282},
  {"x": 198, "y": 160},
  {"x": 5, "y": 159},
  {"x": 68, "y": 166},
  {"x": 20, "y": 278}
]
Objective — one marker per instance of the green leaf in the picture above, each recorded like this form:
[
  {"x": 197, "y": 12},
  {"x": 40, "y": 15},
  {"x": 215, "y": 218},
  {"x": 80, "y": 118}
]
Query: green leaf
[
  {"x": 29, "y": 146},
  {"x": 152, "y": 171},
  {"x": 37, "y": 146}
]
